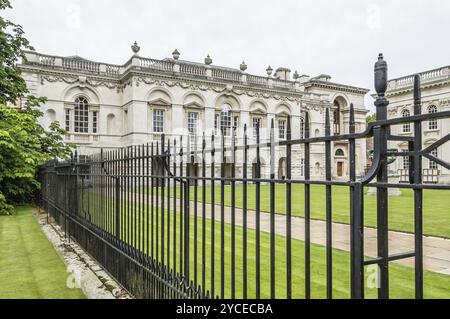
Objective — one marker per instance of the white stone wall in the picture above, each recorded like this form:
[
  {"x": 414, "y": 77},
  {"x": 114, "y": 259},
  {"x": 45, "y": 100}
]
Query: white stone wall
[
  {"x": 437, "y": 94},
  {"x": 125, "y": 112}
]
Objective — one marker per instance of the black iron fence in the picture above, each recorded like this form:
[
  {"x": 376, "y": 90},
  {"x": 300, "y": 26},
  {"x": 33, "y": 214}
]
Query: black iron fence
[{"x": 168, "y": 220}]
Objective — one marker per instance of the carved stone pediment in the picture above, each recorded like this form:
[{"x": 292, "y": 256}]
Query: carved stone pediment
[{"x": 194, "y": 105}]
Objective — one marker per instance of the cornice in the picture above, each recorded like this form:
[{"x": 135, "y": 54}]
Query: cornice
[
  {"x": 336, "y": 86},
  {"x": 133, "y": 77},
  {"x": 136, "y": 77},
  {"x": 409, "y": 89},
  {"x": 207, "y": 85}
]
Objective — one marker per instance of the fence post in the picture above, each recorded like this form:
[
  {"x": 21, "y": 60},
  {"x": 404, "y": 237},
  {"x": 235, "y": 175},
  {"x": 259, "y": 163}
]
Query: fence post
[
  {"x": 418, "y": 193},
  {"x": 356, "y": 220},
  {"x": 381, "y": 104},
  {"x": 117, "y": 207}
]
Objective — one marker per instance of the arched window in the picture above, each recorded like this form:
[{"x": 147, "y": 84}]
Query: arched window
[
  {"x": 339, "y": 152},
  {"x": 225, "y": 120},
  {"x": 432, "y": 124},
  {"x": 406, "y": 126},
  {"x": 81, "y": 109},
  {"x": 317, "y": 168},
  {"x": 433, "y": 164}
]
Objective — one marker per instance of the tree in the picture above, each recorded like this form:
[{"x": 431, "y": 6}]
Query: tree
[
  {"x": 12, "y": 43},
  {"x": 24, "y": 143},
  {"x": 371, "y": 118}
]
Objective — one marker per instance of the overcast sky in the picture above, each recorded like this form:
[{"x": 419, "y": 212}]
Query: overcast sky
[{"x": 340, "y": 38}]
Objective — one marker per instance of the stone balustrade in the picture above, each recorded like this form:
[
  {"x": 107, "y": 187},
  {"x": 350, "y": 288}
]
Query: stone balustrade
[
  {"x": 173, "y": 67},
  {"x": 426, "y": 77}
]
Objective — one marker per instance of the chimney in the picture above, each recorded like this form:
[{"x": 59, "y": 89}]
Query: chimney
[{"x": 283, "y": 74}]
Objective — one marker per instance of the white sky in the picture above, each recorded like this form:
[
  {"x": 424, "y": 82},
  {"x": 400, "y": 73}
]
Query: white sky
[{"x": 340, "y": 38}]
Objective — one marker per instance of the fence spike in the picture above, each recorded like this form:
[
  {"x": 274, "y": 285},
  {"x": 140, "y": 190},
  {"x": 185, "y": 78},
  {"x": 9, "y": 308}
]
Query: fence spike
[{"x": 352, "y": 119}]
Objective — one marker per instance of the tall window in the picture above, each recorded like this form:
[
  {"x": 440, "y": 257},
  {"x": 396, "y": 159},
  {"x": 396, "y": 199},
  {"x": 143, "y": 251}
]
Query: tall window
[
  {"x": 192, "y": 123},
  {"x": 406, "y": 126},
  {"x": 337, "y": 118},
  {"x": 302, "y": 167},
  {"x": 158, "y": 121},
  {"x": 432, "y": 124},
  {"x": 81, "y": 109},
  {"x": 282, "y": 129},
  {"x": 225, "y": 120},
  {"x": 67, "y": 120},
  {"x": 302, "y": 128},
  {"x": 256, "y": 125},
  {"x": 406, "y": 162},
  {"x": 94, "y": 122},
  {"x": 433, "y": 164}
]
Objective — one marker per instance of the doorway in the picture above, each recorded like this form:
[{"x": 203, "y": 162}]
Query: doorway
[{"x": 340, "y": 169}]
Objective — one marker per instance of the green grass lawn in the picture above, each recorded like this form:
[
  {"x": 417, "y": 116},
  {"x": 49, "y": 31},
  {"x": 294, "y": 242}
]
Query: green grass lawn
[
  {"x": 29, "y": 266},
  {"x": 402, "y": 277},
  {"x": 436, "y": 213},
  {"x": 135, "y": 224}
]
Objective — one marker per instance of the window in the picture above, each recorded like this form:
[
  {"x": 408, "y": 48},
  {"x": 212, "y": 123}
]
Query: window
[
  {"x": 67, "y": 120},
  {"x": 302, "y": 128},
  {"x": 256, "y": 125},
  {"x": 406, "y": 162},
  {"x": 281, "y": 129},
  {"x": 432, "y": 124},
  {"x": 339, "y": 152},
  {"x": 236, "y": 122},
  {"x": 406, "y": 126},
  {"x": 337, "y": 118},
  {"x": 302, "y": 167},
  {"x": 94, "y": 122},
  {"x": 192, "y": 123},
  {"x": 225, "y": 120},
  {"x": 81, "y": 115},
  {"x": 433, "y": 164},
  {"x": 158, "y": 121}
]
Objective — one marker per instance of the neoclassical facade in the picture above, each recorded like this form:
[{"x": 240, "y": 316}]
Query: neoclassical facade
[
  {"x": 435, "y": 86},
  {"x": 109, "y": 106}
]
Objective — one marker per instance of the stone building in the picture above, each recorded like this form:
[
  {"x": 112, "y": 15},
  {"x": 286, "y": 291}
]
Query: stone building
[
  {"x": 435, "y": 86},
  {"x": 110, "y": 106}
]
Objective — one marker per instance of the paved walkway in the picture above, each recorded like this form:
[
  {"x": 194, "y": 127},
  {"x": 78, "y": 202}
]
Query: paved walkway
[{"x": 436, "y": 250}]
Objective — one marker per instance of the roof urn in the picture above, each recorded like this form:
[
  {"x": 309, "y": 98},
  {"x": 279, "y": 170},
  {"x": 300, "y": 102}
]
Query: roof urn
[
  {"x": 135, "y": 48},
  {"x": 208, "y": 60}
]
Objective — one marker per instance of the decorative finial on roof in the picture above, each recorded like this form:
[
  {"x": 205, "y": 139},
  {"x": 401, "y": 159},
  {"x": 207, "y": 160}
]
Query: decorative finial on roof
[
  {"x": 243, "y": 66},
  {"x": 269, "y": 70},
  {"x": 208, "y": 60},
  {"x": 296, "y": 75},
  {"x": 135, "y": 48},
  {"x": 176, "y": 54}
]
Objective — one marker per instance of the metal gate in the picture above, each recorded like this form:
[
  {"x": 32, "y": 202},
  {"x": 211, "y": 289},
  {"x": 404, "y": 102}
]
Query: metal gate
[{"x": 170, "y": 220}]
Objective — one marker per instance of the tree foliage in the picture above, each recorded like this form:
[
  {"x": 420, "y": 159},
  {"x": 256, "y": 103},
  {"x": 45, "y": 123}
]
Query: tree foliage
[
  {"x": 24, "y": 143},
  {"x": 12, "y": 42},
  {"x": 371, "y": 118}
]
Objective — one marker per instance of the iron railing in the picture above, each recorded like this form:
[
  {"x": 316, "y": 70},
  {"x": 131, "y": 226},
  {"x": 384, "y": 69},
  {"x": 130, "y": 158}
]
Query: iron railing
[{"x": 167, "y": 220}]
